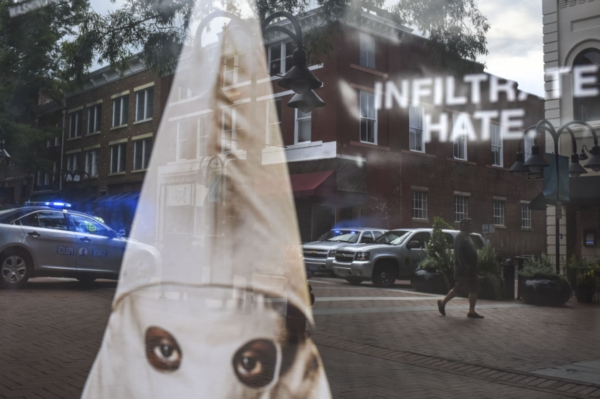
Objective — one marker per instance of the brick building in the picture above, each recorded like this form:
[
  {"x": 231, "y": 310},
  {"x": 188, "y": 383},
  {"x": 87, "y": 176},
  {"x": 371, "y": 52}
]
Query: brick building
[
  {"x": 571, "y": 41},
  {"x": 358, "y": 161},
  {"x": 363, "y": 159},
  {"x": 108, "y": 134}
]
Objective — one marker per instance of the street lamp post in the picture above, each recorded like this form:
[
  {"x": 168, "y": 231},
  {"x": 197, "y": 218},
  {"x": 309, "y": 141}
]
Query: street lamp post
[{"x": 536, "y": 160}]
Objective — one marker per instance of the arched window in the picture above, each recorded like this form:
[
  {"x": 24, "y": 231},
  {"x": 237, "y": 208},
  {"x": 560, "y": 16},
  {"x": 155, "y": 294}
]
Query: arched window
[{"x": 588, "y": 107}]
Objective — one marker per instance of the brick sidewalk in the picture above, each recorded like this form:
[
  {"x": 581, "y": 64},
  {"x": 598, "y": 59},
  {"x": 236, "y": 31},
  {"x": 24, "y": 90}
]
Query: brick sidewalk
[{"x": 386, "y": 344}]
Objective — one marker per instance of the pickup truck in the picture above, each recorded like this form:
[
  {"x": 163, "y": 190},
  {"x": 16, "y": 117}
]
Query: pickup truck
[
  {"x": 319, "y": 255},
  {"x": 394, "y": 255}
]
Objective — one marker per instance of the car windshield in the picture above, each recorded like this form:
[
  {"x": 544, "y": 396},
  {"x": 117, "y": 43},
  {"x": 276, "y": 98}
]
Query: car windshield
[
  {"x": 395, "y": 237},
  {"x": 348, "y": 236}
]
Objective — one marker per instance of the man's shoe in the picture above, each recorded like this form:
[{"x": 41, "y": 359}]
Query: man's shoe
[
  {"x": 441, "y": 308},
  {"x": 474, "y": 315}
]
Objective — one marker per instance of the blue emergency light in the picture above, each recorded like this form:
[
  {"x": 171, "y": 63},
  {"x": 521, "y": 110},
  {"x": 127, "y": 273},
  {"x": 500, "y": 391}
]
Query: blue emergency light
[{"x": 58, "y": 204}]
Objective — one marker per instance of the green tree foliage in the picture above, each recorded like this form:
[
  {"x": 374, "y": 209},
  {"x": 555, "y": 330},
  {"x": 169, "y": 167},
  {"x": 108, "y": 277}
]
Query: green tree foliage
[
  {"x": 439, "y": 254},
  {"x": 489, "y": 266},
  {"x": 31, "y": 65},
  {"x": 157, "y": 28}
]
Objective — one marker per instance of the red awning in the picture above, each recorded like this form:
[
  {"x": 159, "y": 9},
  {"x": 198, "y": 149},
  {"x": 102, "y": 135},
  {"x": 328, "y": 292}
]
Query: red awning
[{"x": 306, "y": 184}]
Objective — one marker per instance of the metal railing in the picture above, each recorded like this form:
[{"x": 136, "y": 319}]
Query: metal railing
[{"x": 585, "y": 282}]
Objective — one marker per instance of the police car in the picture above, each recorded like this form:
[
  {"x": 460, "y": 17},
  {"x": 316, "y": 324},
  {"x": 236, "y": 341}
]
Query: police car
[{"x": 53, "y": 241}]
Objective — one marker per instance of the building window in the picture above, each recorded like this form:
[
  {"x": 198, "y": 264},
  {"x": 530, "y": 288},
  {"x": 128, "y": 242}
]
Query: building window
[
  {"x": 496, "y": 141},
  {"x": 145, "y": 104},
  {"x": 303, "y": 128},
  {"x": 415, "y": 129},
  {"x": 419, "y": 208},
  {"x": 460, "y": 140},
  {"x": 48, "y": 143},
  {"x": 118, "y": 157},
  {"x": 280, "y": 57},
  {"x": 72, "y": 165},
  {"x": 528, "y": 144},
  {"x": 56, "y": 141},
  {"x": 273, "y": 121},
  {"x": 120, "y": 111},
  {"x": 368, "y": 118},
  {"x": 461, "y": 208},
  {"x": 75, "y": 124},
  {"x": 94, "y": 118},
  {"x": 186, "y": 146},
  {"x": 141, "y": 153},
  {"x": 525, "y": 216},
  {"x": 367, "y": 51},
  {"x": 498, "y": 213},
  {"x": 40, "y": 179},
  {"x": 588, "y": 108},
  {"x": 232, "y": 122},
  {"x": 230, "y": 69},
  {"x": 91, "y": 163}
]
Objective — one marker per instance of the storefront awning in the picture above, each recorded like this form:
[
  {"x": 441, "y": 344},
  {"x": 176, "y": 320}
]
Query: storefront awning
[{"x": 307, "y": 184}]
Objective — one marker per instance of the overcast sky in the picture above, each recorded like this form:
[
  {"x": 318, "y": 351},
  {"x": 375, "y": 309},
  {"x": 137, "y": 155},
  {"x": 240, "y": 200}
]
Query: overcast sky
[{"x": 514, "y": 40}]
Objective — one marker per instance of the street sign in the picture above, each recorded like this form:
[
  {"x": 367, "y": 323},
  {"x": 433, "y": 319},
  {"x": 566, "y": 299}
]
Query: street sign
[
  {"x": 492, "y": 229},
  {"x": 535, "y": 175},
  {"x": 485, "y": 229}
]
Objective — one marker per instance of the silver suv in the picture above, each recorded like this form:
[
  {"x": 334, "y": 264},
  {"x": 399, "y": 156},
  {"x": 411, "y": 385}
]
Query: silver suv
[
  {"x": 42, "y": 241},
  {"x": 394, "y": 255},
  {"x": 319, "y": 255}
]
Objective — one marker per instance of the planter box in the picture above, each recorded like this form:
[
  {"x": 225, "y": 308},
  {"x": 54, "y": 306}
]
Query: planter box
[
  {"x": 433, "y": 283},
  {"x": 429, "y": 281},
  {"x": 543, "y": 292}
]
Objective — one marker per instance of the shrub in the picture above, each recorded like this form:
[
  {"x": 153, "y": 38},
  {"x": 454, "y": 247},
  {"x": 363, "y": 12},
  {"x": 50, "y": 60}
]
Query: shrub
[
  {"x": 489, "y": 266},
  {"x": 439, "y": 254},
  {"x": 539, "y": 268}
]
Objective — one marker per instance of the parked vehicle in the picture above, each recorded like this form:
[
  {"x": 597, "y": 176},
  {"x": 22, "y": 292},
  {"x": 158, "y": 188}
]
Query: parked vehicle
[
  {"x": 396, "y": 254},
  {"x": 41, "y": 241},
  {"x": 319, "y": 255}
]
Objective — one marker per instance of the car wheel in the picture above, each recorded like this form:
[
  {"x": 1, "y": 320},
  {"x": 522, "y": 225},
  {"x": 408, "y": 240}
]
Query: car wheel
[
  {"x": 384, "y": 275},
  {"x": 140, "y": 269},
  {"x": 85, "y": 279},
  {"x": 15, "y": 269},
  {"x": 354, "y": 280}
]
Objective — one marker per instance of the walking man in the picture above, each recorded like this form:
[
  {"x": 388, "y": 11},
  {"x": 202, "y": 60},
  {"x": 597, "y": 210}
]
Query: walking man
[{"x": 465, "y": 270}]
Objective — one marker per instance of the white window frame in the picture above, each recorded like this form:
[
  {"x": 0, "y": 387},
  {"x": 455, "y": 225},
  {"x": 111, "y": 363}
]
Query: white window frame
[
  {"x": 419, "y": 205},
  {"x": 146, "y": 145},
  {"x": 367, "y": 51},
  {"x": 461, "y": 207},
  {"x": 119, "y": 148},
  {"x": 416, "y": 114},
  {"x": 121, "y": 101},
  {"x": 460, "y": 142},
  {"x": 148, "y": 111},
  {"x": 370, "y": 98},
  {"x": 496, "y": 144},
  {"x": 72, "y": 165},
  {"x": 499, "y": 212},
  {"x": 228, "y": 81},
  {"x": 95, "y": 115},
  {"x": 526, "y": 220},
  {"x": 56, "y": 141},
  {"x": 273, "y": 123},
  {"x": 285, "y": 57},
  {"x": 91, "y": 162},
  {"x": 297, "y": 122},
  {"x": 75, "y": 124},
  {"x": 528, "y": 142},
  {"x": 234, "y": 129}
]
